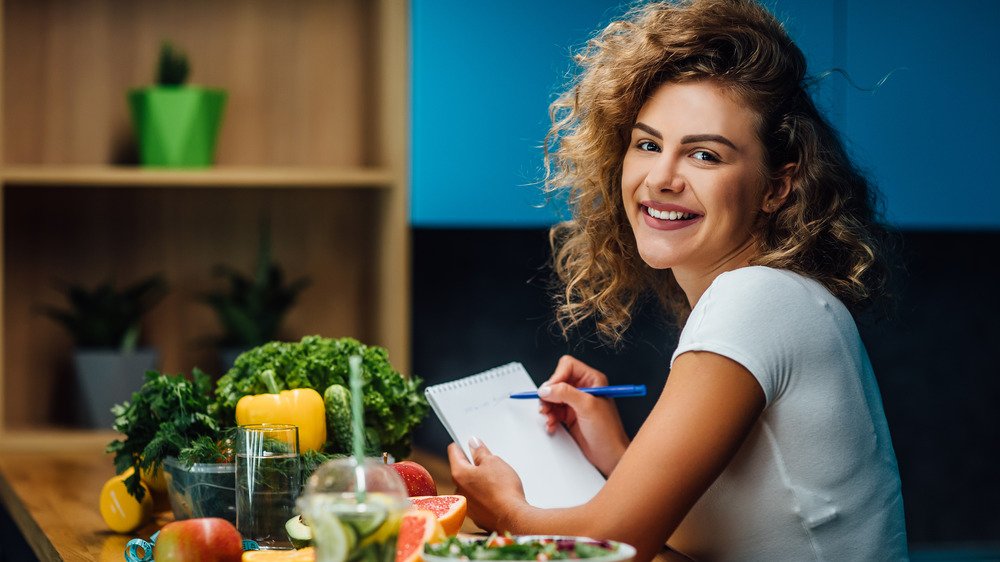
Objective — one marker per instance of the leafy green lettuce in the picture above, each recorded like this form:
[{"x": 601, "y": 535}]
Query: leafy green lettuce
[{"x": 393, "y": 403}]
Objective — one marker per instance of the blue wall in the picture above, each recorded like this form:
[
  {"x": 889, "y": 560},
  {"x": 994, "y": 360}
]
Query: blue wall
[{"x": 484, "y": 74}]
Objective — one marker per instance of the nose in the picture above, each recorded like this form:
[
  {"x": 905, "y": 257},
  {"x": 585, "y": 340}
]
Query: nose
[{"x": 664, "y": 176}]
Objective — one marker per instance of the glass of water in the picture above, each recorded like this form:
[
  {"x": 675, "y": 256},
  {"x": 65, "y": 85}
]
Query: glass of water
[{"x": 268, "y": 480}]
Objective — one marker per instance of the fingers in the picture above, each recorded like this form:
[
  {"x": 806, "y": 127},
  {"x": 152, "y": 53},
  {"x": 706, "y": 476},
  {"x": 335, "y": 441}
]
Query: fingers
[
  {"x": 572, "y": 370},
  {"x": 564, "y": 370},
  {"x": 479, "y": 450},
  {"x": 564, "y": 393},
  {"x": 456, "y": 457}
]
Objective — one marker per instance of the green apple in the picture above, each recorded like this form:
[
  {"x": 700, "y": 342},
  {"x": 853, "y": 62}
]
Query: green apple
[{"x": 206, "y": 539}]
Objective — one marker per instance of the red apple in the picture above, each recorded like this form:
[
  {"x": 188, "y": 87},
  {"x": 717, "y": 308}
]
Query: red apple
[
  {"x": 206, "y": 539},
  {"x": 418, "y": 480}
]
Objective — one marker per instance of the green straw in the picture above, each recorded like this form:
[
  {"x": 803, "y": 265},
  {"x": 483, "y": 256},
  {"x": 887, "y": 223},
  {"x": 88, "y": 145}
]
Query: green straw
[{"x": 358, "y": 425}]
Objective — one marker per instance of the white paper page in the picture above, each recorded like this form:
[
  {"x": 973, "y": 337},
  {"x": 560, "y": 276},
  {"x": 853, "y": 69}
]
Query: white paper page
[{"x": 552, "y": 467}]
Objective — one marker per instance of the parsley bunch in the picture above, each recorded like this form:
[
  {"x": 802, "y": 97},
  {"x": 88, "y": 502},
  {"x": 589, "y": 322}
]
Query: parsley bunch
[{"x": 166, "y": 416}]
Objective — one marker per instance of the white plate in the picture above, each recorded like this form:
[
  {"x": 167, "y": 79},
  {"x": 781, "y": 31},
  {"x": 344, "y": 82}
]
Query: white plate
[{"x": 621, "y": 553}]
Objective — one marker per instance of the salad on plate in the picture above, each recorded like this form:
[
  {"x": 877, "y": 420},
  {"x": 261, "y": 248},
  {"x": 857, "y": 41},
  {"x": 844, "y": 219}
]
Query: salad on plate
[{"x": 529, "y": 548}]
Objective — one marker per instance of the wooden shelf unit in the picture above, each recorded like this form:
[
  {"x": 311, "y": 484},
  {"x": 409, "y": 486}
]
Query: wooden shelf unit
[
  {"x": 314, "y": 138},
  {"x": 226, "y": 176}
]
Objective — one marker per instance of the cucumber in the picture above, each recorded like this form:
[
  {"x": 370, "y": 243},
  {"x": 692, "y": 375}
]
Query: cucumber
[{"x": 298, "y": 532}]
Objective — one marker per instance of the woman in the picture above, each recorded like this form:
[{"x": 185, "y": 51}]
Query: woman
[{"x": 699, "y": 170}]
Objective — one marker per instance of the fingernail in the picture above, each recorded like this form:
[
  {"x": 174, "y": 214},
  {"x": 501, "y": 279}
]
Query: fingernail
[
  {"x": 475, "y": 443},
  {"x": 544, "y": 391}
]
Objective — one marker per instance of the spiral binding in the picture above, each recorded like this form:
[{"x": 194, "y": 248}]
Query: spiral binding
[{"x": 474, "y": 379}]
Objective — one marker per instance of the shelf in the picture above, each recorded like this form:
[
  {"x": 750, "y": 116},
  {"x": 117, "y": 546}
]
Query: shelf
[
  {"x": 242, "y": 177},
  {"x": 315, "y": 140}
]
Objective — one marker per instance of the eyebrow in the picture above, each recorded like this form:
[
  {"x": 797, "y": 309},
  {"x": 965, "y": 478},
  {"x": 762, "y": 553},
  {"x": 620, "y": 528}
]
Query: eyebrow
[
  {"x": 688, "y": 139},
  {"x": 644, "y": 127},
  {"x": 709, "y": 138}
]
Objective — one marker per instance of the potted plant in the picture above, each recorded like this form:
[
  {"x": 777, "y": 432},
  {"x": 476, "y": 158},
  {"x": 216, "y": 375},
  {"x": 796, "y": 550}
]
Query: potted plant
[
  {"x": 251, "y": 308},
  {"x": 176, "y": 125},
  {"x": 105, "y": 324}
]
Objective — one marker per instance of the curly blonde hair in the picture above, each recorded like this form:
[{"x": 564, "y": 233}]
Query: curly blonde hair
[{"x": 826, "y": 229}]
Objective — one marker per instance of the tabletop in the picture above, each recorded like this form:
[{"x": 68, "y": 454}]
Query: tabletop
[{"x": 50, "y": 483}]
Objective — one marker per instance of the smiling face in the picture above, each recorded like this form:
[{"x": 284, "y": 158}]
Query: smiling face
[{"x": 692, "y": 180}]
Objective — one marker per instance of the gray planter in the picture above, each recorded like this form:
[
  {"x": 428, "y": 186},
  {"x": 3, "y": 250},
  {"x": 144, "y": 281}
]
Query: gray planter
[{"x": 107, "y": 377}]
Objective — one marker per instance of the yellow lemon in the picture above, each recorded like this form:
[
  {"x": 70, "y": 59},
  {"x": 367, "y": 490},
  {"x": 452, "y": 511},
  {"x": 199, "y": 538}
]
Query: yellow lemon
[
  {"x": 156, "y": 481},
  {"x": 122, "y": 512}
]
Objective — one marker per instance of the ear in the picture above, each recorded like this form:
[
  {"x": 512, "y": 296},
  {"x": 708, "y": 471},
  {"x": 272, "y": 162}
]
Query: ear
[{"x": 780, "y": 188}]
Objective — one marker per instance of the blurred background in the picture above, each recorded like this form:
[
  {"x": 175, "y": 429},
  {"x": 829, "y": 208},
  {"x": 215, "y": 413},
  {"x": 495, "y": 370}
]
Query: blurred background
[{"x": 377, "y": 175}]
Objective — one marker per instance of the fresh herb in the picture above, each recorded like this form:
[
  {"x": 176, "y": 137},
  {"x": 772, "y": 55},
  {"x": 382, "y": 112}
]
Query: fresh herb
[
  {"x": 206, "y": 449},
  {"x": 311, "y": 460},
  {"x": 509, "y": 548},
  {"x": 166, "y": 416},
  {"x": 393, "y": 403}
]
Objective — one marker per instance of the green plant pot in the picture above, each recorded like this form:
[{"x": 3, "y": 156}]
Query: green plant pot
[{"x": 178, "y": 126}]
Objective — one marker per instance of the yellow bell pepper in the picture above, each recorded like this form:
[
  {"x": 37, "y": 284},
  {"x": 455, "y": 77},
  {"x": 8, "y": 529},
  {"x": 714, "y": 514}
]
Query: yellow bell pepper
[{"x": 302, "y": 407}]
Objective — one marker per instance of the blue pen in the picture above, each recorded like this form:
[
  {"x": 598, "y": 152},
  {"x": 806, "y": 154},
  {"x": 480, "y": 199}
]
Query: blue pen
[{"x": 618, "y": 391}]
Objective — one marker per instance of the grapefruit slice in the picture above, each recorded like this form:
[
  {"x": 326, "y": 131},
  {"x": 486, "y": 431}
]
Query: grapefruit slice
[
  {"x": 417, "y": 528},
  {"x": 450, "y": 510}
]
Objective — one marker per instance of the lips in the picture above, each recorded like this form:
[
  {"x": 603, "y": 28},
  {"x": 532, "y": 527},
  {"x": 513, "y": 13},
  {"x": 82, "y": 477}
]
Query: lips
[{"x": 667, "y": 216}]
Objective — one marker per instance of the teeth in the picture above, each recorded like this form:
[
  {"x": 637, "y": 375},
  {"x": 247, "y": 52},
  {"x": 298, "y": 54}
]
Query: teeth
[{"x": 668, "y": 215}]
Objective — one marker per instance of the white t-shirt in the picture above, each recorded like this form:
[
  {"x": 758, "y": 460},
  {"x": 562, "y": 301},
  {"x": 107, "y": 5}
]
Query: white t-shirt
[{"x": 816, "y": 478}]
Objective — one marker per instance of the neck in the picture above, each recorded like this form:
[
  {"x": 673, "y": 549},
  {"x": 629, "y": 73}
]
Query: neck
[{"x": 694, "y": 280}]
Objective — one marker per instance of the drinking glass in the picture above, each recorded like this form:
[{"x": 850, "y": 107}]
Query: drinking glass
[
  {"x": 354, "y": 511},
  {"x": 268, "y": 480}
]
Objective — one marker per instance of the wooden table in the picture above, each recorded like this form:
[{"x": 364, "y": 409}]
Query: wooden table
[{"x": 50, "y": 483}]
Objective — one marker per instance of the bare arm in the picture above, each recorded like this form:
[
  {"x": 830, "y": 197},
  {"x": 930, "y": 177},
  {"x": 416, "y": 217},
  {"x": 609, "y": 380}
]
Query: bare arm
[{"x": 707, "y": 408}]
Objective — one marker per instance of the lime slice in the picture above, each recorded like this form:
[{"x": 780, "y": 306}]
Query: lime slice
[
  {"x": 366, "y": 522},
  {"x": 350, "y": 535},
  {"x": 389, "y": 528},
  {"x": 331, "y": 542}
]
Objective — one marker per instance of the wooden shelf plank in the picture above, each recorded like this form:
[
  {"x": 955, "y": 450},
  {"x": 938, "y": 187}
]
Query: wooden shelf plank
[{"x": 242, "y": 177}]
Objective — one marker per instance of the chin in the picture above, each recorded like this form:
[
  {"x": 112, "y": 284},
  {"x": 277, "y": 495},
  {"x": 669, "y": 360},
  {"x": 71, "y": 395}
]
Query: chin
[{"x": 658, "y": 259}]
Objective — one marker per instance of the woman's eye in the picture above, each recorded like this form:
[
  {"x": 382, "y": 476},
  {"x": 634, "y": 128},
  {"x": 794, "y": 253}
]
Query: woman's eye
[
  {"x": 704, "y": 156},
  {"x": 648, "y": 146}
]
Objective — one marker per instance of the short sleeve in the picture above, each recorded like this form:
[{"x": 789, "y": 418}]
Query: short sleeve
[{"x": 756, "y": 316}]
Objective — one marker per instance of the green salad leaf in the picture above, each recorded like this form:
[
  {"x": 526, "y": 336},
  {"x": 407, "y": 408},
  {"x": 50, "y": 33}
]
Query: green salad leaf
[{"x": 393, "y": 403}]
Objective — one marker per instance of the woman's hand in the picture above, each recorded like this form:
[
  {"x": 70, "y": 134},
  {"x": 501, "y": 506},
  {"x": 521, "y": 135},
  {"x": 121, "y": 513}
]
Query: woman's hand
[
  {"x": 592, "y": 421},
  {"x": 490, "y": 486}
]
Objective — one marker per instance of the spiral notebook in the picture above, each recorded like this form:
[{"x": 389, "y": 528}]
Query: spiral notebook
[{"x": 552, "y": 467}]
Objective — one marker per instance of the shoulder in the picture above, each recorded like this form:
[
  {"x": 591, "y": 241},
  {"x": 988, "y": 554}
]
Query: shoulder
[
  {"x": 763, "y": 294},
  {"x": 762, "y": 318}
]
